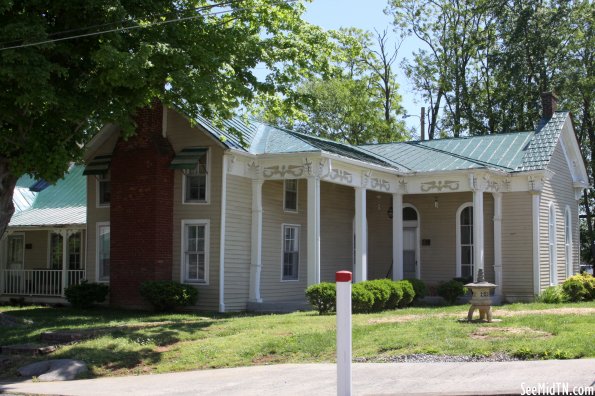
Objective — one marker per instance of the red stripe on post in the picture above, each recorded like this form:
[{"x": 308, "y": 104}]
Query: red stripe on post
[{"x": 343, "y": 276}]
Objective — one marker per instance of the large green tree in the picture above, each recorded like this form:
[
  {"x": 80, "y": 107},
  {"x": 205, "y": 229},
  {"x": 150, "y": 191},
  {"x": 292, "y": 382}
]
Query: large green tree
[
  {"x": 67, "y": 66},
  {"x": 359, "y": 101}
]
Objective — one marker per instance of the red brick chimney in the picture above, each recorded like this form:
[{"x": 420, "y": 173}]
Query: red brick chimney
[
  {"x": 549, "y": 104},
  {"x": 141, "y": 209}
]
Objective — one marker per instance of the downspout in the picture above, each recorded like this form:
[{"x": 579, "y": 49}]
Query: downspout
[{"x": 222, "y": 236}]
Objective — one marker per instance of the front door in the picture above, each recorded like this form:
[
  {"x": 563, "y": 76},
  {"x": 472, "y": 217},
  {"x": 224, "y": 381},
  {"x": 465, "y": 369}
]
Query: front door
[
  {"x": 15, "y": 252},
  {"x": 409, "y": 252}
]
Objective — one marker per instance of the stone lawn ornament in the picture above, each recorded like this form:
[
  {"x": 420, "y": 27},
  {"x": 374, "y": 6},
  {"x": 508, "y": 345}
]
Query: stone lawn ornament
[{"x": 481, "y": 298}]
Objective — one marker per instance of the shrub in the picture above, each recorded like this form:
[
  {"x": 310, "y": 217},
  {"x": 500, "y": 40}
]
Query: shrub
[
  {"x": 396, "y": 294},
  {"x": 419, "y": 287},
  {"x": 85, "y": 294},
  {"x": 380, "y": 291},
  {"x": 588, "y": 282},
  {"x": 451, "y": 290},
  {"x": 575, "y": 290},
  {"x": 408, "y": 293},
  {"x": 362, "y": 299},
  {"x": 166, "y": 295},
  {"x": 322, "y": 297},
  {"x": 552, "y": 295}
]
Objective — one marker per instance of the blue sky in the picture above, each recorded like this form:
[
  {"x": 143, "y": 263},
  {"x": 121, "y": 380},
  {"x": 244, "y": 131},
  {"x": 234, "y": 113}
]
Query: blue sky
[{"x": 368, "y": 15}]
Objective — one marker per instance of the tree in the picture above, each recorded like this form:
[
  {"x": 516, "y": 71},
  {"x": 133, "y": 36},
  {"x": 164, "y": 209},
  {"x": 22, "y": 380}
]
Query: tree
[
  {"x": 358, "y": 103},
  {"x": 67, "y": 67}
]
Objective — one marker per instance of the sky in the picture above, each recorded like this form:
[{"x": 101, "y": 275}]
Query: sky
[{"x": 368, "y": 15}]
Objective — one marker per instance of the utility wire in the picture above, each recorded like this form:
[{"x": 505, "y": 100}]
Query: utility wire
[{"x": 123, "y": 29}]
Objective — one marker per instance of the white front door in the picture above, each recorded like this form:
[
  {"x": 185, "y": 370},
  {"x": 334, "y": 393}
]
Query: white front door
[{"x": 409, "y": 252}]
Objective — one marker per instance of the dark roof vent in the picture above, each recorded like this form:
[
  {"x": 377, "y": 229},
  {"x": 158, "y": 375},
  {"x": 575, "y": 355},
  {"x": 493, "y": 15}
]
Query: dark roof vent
[{"x": 549, "y": 104}]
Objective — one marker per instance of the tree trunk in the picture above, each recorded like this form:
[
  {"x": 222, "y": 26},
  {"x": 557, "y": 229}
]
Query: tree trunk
[{"x": 7, "y": 184}]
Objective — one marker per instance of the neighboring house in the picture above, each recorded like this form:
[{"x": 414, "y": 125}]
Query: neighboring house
[
  {"x": 43, "y": 250},
  {"x": 252, "y": 224}
]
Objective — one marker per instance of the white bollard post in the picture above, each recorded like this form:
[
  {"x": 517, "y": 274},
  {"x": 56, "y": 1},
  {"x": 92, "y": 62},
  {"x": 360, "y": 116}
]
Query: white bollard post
[{"x": 343, "y": 279}]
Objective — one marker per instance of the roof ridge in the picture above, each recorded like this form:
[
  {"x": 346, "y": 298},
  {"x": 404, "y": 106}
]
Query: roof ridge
[
  {"x": 446, "y": 138},
  {"x": 459, "y": 156}
]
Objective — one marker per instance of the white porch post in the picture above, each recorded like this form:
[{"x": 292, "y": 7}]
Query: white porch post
[
  {"x": 256, "y": 256},
  {"x": 313, "y": 230},
  {"x": 361, "y": 236},
  {"x": 397, "y": 236},
  {"x": 478, "y": 232},
  {"x": 498, "y": 241},
  {"x": 64, "y": 234}
]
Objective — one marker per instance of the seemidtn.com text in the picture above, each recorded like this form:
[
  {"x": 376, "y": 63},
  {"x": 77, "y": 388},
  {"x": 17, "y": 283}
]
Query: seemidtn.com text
[{"x": 556, "y": 388}]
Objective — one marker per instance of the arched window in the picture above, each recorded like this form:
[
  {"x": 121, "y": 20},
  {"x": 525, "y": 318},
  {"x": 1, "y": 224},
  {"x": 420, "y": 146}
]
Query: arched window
[
  {"x": 465, "y": 241},
  {"x": 568, "y": 241},
  {"x": 552, "y": 244}
]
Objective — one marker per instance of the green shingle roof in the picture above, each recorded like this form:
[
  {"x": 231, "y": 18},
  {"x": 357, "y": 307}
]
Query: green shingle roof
[{"x": 62, "y": 203}]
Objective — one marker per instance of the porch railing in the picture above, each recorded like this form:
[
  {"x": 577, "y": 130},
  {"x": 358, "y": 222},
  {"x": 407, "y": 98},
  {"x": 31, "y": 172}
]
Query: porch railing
[{"x": 38, "y": 282}]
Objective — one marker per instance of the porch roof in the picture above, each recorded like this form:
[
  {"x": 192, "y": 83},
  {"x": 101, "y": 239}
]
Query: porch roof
[{"x": 63, "y": 203}]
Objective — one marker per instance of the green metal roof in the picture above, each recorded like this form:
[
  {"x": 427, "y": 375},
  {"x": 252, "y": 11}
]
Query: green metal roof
[{"x": 59, "y": 204}]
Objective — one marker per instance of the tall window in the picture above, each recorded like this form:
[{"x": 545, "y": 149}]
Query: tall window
[
  {"x": 103, "y": 251},
  {"x": 291, "y": 254},
  {"x": 55, "y": 251},
  {"x": 465, "y": 240},
  {"x": 568, "y": 241},
  {"x": 104, "y": 190},
  {"x": 195, "y": 251},
  {"x": 552, "y": 244},
  {"x": 290, "y": 195},
  {"x": 195, "y": 183},
  {"x": 74, "y": 251}
]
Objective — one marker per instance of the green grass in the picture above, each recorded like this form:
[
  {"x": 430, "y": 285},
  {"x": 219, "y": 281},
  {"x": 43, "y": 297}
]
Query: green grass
[{"x": 196, "y": 341}]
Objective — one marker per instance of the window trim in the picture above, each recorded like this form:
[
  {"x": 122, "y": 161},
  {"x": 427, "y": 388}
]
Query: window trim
[
  {"x": 207, "y": 224},
  {"x": 207, "y": 200},
  {"x": 298, "y": 228},
  {"x": 568, "y": 245},
  {"x": 552, "y": 244},
  {"x": 285, "y": 209},
  {"x": 458, "y": 268},
  {"x": 98, "y": 225},
  {"x": 98, "y": 180}
]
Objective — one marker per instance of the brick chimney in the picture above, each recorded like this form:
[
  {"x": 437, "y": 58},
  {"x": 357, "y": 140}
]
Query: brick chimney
[
  {"x": 141, "y": 209},
  {"x": 549, "y": 104}
]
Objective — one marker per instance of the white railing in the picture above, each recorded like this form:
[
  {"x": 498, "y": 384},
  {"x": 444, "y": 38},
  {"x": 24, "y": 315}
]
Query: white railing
[{"x": 38, "y": 282}]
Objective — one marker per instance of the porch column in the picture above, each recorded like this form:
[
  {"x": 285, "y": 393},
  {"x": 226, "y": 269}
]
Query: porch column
[
  {"x": 498, "y": 241},
  {"x": 256, "y": 256},
  {"x": 477, "y": 231},
  {"x": 64, "y": 234},
  {"x": 313, "y": 230},
  {"x": 397, "y": 236},
  {"x": 361, "y": 236}
]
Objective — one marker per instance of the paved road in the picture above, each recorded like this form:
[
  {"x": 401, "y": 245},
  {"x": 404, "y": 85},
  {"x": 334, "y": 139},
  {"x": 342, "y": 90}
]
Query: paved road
[{"x": 319, "y": 379}]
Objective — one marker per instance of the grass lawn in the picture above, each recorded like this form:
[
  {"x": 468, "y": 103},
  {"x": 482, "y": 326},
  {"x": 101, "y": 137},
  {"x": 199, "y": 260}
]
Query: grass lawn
[{"x": 138, "y": 343}]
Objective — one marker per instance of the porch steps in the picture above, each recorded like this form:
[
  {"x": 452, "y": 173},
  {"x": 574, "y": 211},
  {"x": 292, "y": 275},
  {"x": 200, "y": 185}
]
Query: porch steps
[{"x": 31, "y": 349}]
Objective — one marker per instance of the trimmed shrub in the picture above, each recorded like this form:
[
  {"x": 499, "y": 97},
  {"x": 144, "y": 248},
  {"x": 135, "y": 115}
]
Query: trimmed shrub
[
  {"x": 166, "y": 295},
  {"x": 451, "y": 290},
  {"x": 588, "y": 282},
  {"x": 322, "y": 297},
  {"x": 85, "y": 294},
  {"x": 419, "y": 287},
  {"x": 552, "y": 295},
  {"x": 380, "y": 291},
  {"x": 362, "y": 299},
  {"x": 396, "y": 293},
  {"x": 575, "y": 290},
  {"x": 408, "y": 293}
]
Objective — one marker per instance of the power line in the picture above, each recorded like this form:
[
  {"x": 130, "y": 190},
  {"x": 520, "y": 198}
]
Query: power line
[
  {"x": 225, "y": 3},
  {"x": 123, "y": 29}
]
